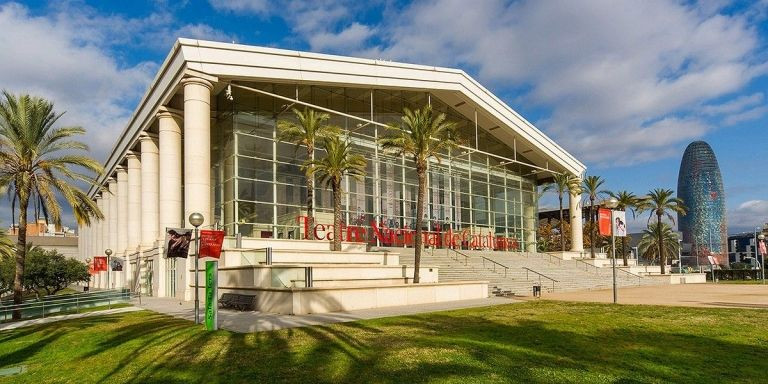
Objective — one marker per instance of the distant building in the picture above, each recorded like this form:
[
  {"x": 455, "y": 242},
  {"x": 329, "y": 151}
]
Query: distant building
[
  {"x": 41, "y": 228},
  {"x": 700, "y": 186},
  {"x": 66, "y": 246}
]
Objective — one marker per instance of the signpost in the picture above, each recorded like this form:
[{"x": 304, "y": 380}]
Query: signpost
[{"x": 211, "y": 295}]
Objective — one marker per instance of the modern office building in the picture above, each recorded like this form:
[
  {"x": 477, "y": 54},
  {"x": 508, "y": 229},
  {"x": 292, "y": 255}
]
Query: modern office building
[
  {"x": 203, "y": 139},
  {"x": 700, "y": 186}
]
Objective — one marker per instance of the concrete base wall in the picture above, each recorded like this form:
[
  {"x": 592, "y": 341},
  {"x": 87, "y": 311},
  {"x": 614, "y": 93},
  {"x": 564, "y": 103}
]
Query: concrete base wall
[{"x": 299, "y": 301}]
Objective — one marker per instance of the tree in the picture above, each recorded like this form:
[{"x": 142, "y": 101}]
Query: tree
[
  {"x": 34, "y": 169},
  {"x": 423, "y": 135},
  {"x": 311, "y": 129},
  {"x": 650, "y": 244},
  {"x": 338, "y": 161},
  {"x": 563, "y": 183},
  {"x": 591, "y": 186},
  {"x": 51, "y": 272},
  {"x": 627, "y": 202},
  {"x": 662, "y": 202}
]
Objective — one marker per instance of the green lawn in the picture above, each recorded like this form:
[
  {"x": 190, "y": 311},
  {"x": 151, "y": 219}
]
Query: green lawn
[{"x": 543, "y": 341}]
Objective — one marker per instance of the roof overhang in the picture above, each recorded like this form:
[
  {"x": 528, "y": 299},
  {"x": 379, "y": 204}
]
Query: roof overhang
[{"x": 230, "y": 62}]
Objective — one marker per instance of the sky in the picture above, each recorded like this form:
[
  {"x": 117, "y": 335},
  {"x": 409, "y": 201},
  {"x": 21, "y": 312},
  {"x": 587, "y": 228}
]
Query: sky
[{"x": 624, "y": 86}]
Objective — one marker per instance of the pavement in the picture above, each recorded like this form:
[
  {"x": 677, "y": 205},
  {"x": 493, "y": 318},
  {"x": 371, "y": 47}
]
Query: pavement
[
  {"x": 51, "y": 319},
  {"x": 254, "y": 321},
  {"x": 708, "y": 295}
]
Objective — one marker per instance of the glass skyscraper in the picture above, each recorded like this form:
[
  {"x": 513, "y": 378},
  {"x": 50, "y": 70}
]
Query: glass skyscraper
[{"x": 700, "y": 186}]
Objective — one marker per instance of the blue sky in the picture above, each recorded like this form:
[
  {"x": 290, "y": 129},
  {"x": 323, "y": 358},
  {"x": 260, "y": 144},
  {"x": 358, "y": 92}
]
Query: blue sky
[{"x": 624, "y": 86}]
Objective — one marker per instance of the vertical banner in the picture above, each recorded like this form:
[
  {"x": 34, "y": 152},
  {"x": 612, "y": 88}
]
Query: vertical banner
[
  {"x": 620, "y": 223},
  {"x": 211, "y": 295},
  {"x": 604, "y": 221},
  {"x": 177, "y": 242},
  {"x": 116, "y": 265},
  {"x": 211, "y": 242},
  {"x": 91, "y": 269},
  {"x": 100, "y": 263}
]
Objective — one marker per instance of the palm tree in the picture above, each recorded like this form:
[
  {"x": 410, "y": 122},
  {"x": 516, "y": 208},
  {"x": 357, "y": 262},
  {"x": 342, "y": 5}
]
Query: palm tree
[
  {"x": 563, "y": 183},
  {"x": 311, "y": 129},
  {"x": 650, "y": 246},
  {"x": 338, "y": 161},
  {"x": 627, "y": 201},
  {"x": 661, "y": 202},
  {"x": 423, "y": 135},
  {"x": 591, "y": 186},
  {"x": 34, "y": 170}
]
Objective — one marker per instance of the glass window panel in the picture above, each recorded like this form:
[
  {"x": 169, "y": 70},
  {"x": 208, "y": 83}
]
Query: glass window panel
[
  {"x": 253, "y": 190},
  {"x": 249, "y": 212},
  {"x": 254, "y": 147}
]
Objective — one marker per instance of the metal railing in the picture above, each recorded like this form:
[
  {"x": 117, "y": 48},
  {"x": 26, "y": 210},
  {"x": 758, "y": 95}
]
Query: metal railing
[
  {"x": 486, "y": 261},
  {"x": 65, "y": 304},
  {"x": 587, "y": 265},
  {"x": 632, "y": 274},
  {"x": 540, "y": 276},
  {"x": 559, "y": 260},
  {"x": 256, "y": 256}
]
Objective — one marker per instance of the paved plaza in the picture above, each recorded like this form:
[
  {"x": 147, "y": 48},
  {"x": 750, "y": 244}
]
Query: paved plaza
[
  {"x": 687, "y": 295},
  {"x": 254, "y": 321}
]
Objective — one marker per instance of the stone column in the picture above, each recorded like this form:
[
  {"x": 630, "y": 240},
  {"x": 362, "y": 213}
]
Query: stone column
[
  {"x": 112, "y": 243},
  {"x": 577, "y": 231},
  {"x": 134, "y": 202},
  {"x": 149, "y": 203},
  {"x": 197, "y": 148},
  {"x": 99, "y": 233},
  {"x": 197, "y": 158},
  {"x": 169, "y": 191},
  {"x": 149, "y": 190},
  {"x": 122, "y": 224}
]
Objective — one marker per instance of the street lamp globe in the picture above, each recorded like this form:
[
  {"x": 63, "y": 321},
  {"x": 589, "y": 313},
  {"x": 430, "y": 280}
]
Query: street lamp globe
[
  {"x": 196, "y": 219},
  {"x": 108, "y": 252},
  {"x": 761, "y": 237},
  {"x": 612, "y": 203}
]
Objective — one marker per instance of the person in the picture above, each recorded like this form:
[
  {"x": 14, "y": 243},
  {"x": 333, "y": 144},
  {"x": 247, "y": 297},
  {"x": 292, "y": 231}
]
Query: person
[
  {"x": 621, "y": 229},
  {"x": 178, "y": 243}
]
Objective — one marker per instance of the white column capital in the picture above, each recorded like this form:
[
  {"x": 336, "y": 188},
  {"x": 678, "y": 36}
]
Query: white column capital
[
  {"x": 198, "y": 81},
  {"x": 120, "y": 169},
  {"x": 166, "y": 113},
  {"x": 146, "y": 136}
]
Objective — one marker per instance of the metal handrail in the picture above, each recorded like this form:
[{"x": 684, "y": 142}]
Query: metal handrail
[
  {"x": 448, "y": 252},
  {"x": 587, "y": 264},
  {"x": 559, "y": 260},
  {"x": 633, "y": 274},
  {"x": 494, "y": 263},
  {"x": 66, "y": 304},
  {"x": 540, "y": 276}
]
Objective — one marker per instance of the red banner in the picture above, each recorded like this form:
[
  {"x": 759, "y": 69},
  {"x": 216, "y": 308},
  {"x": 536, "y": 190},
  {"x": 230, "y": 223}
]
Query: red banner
[
  {"x": 210, "y": 243},
  {"x": 90, "y": 268},
  {"x": 99, "y": 263},
  {"x": 604, "y": 221}
]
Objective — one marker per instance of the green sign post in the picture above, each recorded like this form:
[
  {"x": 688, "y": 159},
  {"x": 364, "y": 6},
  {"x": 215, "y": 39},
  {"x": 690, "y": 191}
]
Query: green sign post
[{"x": 211, "y": 295}]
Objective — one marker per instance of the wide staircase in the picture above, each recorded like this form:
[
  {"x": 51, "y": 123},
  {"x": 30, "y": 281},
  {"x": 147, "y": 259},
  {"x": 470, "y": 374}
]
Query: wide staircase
[{"x": 517, "y": 272}]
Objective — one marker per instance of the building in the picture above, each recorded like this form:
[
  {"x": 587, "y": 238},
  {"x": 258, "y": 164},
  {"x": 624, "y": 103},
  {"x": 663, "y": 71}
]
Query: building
[
  {"x": 65, "y": 245},
  {"x": 700, "y": 186},
  {"x": 42, "y": 228},
  {"x": 203, "y": 140}
]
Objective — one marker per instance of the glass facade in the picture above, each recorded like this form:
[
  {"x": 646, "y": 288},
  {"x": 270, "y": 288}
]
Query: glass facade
[
  {"x": 700, "y": 186},
  {"x": 260, "y": 189}
]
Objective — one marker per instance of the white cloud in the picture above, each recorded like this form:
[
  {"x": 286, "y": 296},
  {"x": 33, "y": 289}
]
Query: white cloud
[
  {"x": 249, "y": 6},
  {"x": 352, "y": 37},
  {"x": 68, "y": 56},
  {"x": 735, "y": 105},
  {"x": 610, "y": 71},
  {"x": 751, "y": 114},
  {"x": 748, "y": 215}
]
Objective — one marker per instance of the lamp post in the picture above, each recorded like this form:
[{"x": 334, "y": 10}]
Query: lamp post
[
  {"x": 612, "y": 203},
  {"x": 680, "y": 255},
  {"x": 108, "y": 252},
  {"x": 88, "y": 283},
  {"x": 761, "y": 237},
  {"x": 196, "y": 219}
]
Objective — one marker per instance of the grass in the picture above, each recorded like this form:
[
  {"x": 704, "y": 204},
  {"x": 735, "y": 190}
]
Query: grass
[{"x": 553, "y": 342}]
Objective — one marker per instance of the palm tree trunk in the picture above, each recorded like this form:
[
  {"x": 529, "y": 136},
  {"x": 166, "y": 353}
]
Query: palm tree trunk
[
  {"x": 562, "y": 234},
  {"x": 660, "y": 241},
  {"x": 310, "y": 195},
  {"x": 624, "y": 249},
  {"x": 337, "y": 215},
  {"x": 21, "y": 253},
  {"x": 418, "y": 242},
  {"x": 592, "y": 227}
]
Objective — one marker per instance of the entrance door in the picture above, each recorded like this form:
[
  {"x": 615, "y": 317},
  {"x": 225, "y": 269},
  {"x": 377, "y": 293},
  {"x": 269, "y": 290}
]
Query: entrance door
[
  {"x": 171, "y": 277},
  {"x": 149, "y": 272}
]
